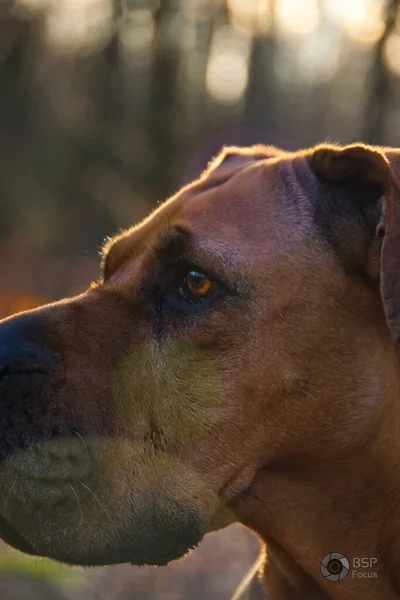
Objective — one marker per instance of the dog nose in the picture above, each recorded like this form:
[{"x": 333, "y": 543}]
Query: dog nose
[
  {"x": 29, "y": 370},
  {"x": 23, "y": 346},
  {"x": 61, "y": 459}
]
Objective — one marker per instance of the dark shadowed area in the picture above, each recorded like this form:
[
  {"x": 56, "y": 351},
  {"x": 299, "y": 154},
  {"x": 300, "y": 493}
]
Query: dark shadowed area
[{"x": 107, "y": 107}]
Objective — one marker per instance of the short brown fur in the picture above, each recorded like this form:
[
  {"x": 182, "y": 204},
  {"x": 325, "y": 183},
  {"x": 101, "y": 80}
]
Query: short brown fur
[{"x": 275, "y": 405}]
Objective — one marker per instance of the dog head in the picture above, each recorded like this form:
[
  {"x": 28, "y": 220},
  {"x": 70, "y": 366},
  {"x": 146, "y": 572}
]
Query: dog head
[{"x": 227, "y": 335}]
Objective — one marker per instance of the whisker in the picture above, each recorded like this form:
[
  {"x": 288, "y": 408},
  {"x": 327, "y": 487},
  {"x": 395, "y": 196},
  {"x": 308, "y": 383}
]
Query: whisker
[
  {"x": 77, "y": 499},
  {"x": 97, "y": 500},
  {"x": 82, "y": 440},
  {"x": 10, "y": 490}
]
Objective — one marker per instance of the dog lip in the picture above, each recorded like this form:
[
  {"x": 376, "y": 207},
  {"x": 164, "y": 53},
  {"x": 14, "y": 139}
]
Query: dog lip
[
  {"x": 55, "y": 462},
  {"x": 43, "y": 482},
  {"x": 11, "y": 537},
  {"x": 42, "y": 489}
]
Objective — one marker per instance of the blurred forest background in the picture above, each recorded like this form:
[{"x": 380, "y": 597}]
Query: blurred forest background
[{"x": 106, "y": 108}]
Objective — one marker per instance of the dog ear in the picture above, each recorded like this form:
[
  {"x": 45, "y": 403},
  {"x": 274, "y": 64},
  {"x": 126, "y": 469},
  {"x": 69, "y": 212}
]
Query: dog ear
[{"x": 370, "y": 177}]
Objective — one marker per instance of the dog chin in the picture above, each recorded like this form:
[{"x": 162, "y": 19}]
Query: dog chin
[
  {"x": 151, "y": 543},
  {"x": 11, "y": 537},
  {"x": 147, "y": 514},
  {"x": 155, "y": 540}
]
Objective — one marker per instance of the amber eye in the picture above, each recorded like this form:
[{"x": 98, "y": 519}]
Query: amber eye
[{"x": 197, "y": 286}]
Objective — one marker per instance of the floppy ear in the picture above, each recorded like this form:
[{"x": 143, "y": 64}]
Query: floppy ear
[{"x": 371, "y": 176}]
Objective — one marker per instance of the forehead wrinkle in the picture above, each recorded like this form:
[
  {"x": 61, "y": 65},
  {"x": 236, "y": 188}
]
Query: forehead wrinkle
[
  {"x": 123, "y": 246},
  {"x": 191, "y": 201},
  {"x": 211, "y": 255},
  {"x": 197, "y": 188},
  {"x": 181, "y": 243}
]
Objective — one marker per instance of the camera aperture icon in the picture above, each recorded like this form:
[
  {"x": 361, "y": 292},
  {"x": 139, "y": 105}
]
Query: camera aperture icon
[{"x": 335, "y": 566}]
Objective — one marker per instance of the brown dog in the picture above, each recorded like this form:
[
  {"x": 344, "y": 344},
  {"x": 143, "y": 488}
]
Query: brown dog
[{"x": 238, "y": 362}]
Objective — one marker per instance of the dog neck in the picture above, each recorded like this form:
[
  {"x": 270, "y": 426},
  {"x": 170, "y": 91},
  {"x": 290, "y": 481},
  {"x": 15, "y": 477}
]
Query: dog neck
[{"x": 306, "y": 508}]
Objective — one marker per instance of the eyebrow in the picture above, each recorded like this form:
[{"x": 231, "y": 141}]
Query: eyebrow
[
  {"x": 169, "y": 245},
  {"x": 179, "y": 244},
  {"x": 112, "y": 255},
  {"x": 173, "y": 243}
]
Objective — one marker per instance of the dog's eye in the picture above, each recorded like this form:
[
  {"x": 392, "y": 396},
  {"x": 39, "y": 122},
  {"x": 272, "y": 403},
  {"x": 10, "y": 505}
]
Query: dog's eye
[
  {"x": 192, "y": 290},
  {"x": 196, "y": 287}
]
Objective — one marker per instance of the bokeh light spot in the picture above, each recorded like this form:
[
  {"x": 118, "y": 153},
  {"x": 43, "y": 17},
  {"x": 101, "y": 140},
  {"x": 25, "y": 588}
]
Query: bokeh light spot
[
  {"x": 227, "y": 69},
  {"x": 392, "y": 53},
  {"x": 296, "y": 17},
  {"x": 254, "y": 15},
  {"x": 362, "y": 20},
  {"x": 78, "y": 24}
]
